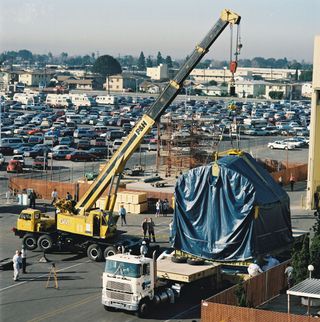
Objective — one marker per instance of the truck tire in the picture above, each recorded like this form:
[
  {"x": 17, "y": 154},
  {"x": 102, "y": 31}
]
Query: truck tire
[
  {"x": 109, "y": 308},
  {"x": 45, "y": 243},
  {"x": 109, "y": 251},
  {"x": 30, "y": 242},
  {"x": 94, "y": 252},
  {"x": 144, "y": 308},
  {"x": 179, "y": 259}
]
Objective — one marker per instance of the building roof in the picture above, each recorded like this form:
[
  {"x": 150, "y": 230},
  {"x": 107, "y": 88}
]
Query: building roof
[{"x": 309, "y": 287}]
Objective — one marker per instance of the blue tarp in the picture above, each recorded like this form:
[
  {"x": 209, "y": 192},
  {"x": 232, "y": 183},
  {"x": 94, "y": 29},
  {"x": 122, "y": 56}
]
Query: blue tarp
[{"x": 237, "y": 215}]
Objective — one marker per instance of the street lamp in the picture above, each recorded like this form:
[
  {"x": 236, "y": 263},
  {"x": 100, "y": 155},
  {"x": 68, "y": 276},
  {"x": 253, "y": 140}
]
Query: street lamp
[
  {"x": 224, "y": 73},
  {"x": 310, "y": 269}
]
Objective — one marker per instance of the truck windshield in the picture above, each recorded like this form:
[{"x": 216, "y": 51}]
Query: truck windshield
[{"x": 122, "y": 268}]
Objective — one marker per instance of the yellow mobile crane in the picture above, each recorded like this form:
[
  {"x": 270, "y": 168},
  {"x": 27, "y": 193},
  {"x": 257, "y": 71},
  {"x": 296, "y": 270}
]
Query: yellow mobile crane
[{"x": 84, "y": 226}]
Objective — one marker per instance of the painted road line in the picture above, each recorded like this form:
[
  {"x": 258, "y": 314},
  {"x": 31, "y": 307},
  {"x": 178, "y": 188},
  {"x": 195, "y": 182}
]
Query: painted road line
[
  {"x": 65, "y": 308},
  {"x": 35, "y": 278}
]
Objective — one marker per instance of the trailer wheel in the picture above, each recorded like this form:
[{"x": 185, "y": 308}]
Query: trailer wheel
[
  {"x": 144, "y": 308},
  {"x": 179, "y": 259},
  {"x": 109, "y": 251},
  {"x": 30, "y": 242},
  {"x": 195, "y": 261},
  {"x": 94, "y": 252},
  {"x": 45, "y": 243}
]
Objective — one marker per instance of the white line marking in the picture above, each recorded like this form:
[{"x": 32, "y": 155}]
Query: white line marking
[{"x": 24, "y": 282}]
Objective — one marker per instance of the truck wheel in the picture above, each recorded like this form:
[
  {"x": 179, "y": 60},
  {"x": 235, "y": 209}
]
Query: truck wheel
[
  {"x": 179, "y": 259},
  {"x": 45, "y": 243},
  {"x": 109, "y": 308},
  {"x": 143, "y": 308},
  {"x": 30, "y": 242},
  {"x": 94, "y": 252},
  {"x": 109, "y": 251}
]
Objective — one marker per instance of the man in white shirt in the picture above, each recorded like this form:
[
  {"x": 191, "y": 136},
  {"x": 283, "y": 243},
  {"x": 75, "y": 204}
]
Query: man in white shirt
[
  {"x": 54, "y": 196},
  {"x": 17, "y": 262}
]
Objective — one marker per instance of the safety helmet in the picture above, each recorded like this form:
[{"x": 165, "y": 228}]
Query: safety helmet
[{"x": 144, "y": 242}]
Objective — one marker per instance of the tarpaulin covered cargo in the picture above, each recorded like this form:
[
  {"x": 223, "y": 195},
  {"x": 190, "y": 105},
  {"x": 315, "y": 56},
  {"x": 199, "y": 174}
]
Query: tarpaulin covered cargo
[{"x": 233, "y": 214}]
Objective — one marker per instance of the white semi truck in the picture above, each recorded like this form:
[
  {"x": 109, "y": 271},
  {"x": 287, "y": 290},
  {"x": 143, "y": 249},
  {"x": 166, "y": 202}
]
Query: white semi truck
[{"x": 138, "y": 283}]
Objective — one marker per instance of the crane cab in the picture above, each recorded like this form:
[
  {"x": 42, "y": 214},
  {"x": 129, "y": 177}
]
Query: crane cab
[{"x": 32, "y": 220}]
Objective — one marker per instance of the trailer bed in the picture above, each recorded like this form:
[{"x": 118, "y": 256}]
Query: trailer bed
[{"x": 183, "y": 272}]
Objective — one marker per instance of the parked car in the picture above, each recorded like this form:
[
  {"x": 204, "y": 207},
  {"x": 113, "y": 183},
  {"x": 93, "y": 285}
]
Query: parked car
[
  {"x": 83, "y": 144},
  {"x": 37, "y": 151},
  {"x": 20, "y": 158},
  {"x": 80, "y": 156},
  {"x": 40, "y": 163},
  {"x": 60, "y": 154},
  {"x": 99, "y": 152},
  {"x": 14, "y": 166},
  {"x": 280, "y": 145},
  {"x": 67, "y": 140}
]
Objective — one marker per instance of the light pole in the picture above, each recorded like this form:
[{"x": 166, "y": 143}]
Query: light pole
[{"x": 224, "y": 73}]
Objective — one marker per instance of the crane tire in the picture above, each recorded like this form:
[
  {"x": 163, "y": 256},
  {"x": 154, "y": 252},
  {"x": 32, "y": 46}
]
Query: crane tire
[
  {"x": 94, "y": 252},
  {"x": 45, "y": 242},
  {"x": 30, "y": 242},
  {"x": 109, "y": 251}
]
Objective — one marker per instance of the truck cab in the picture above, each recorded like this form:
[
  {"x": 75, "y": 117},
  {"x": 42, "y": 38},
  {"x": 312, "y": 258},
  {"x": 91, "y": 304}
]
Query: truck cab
[{"x": 128, "y": 283}]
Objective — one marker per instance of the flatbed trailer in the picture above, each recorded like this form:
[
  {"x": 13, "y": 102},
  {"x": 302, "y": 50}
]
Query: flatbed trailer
[{"x": 183, "y": 272}]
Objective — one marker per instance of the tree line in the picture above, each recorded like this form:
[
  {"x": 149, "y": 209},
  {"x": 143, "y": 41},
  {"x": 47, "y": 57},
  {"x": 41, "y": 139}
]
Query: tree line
[{"x": 140, "y": 63}]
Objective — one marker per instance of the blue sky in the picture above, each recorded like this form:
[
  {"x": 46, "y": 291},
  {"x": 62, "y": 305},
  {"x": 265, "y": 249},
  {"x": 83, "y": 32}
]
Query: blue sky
[{"x": 282, "y": 28}]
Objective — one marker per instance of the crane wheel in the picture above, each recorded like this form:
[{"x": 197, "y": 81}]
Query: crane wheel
[
  {"x": 30, "y": 242},
  {"x": 94, "y": 252},
  {"x": 109, "y": 251},
  {"x": 45, "y": 243}
]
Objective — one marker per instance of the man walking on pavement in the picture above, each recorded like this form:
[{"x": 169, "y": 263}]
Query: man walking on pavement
[
  {"x": 24, "y": 259},
  {"x": 54, "y": 196},
  {"x": 32, "y": 197},
  {"x": 17, "y": 262},
  {"x": 123, "y": 213},
  {"x": 292, "y": 181}
]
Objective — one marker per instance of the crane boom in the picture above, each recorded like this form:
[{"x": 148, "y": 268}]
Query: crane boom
[{"x": 116, "y": 164}]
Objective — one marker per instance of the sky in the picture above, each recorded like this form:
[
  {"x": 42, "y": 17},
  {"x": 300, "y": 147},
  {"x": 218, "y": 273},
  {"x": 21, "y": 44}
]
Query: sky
[{"x": 270, "y": 28}]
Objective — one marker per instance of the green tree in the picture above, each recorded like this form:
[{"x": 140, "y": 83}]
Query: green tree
[
  {"x": 149, "y": 62},
  {"x": 276, "y": 95},
  {"x": 25, "y": 54},
  {"x": 301, "y": 260},
  {"x": 106, "y": 66},
  {"x": 159, "y": 58},
  {"x": 168, "y": 61},
  {"x": 142, "y": 62},
  {"x": 63, "y": 57},
  {"x": 305, "y": 76}
]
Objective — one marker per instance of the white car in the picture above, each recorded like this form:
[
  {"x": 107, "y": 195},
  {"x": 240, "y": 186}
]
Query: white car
[{"x": 280, "y": 145}]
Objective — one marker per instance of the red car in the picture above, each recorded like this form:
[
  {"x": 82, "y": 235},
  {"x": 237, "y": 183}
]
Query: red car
[
  {"x": 14, "y": 166},
  {"x": 80, "y": 156}
]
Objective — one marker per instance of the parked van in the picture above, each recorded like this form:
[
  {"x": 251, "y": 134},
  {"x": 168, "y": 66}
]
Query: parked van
[{"x": 115, "y": 134}]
